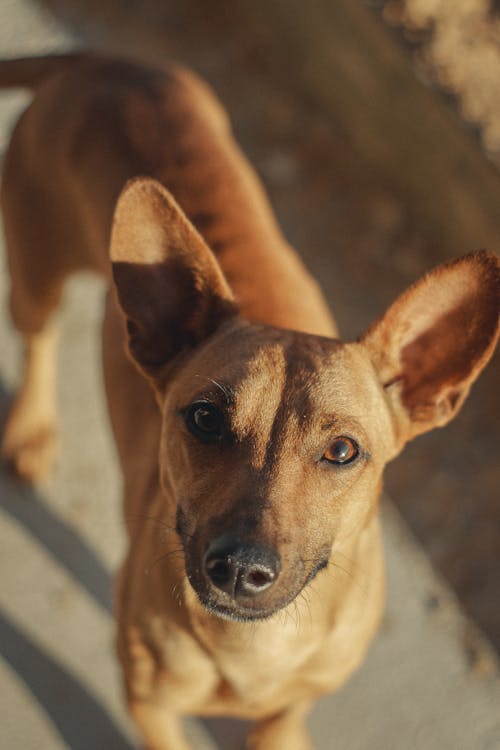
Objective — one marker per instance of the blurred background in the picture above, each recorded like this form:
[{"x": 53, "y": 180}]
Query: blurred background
[{"x": 375, "y": 127}]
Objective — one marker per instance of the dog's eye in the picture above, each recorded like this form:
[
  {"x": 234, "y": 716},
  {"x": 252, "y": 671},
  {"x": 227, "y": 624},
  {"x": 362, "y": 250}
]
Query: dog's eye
[
  {"x": 343, "y": 450},
  {"x": 205, "y": 421}
]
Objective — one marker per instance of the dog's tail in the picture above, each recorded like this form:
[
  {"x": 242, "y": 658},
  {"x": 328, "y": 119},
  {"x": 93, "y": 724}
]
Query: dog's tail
[{"x": 30, "y": 72}]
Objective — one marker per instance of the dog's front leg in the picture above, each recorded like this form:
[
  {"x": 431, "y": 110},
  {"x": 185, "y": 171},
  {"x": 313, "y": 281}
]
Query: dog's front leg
[
  {"x": 284, "y": 730},
  {"x": 161, "y": 729},
  {"x": 147, "y": 697}
]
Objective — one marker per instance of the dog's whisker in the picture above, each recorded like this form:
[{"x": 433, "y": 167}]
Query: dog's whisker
[
  {"x": 356, "y": 580},
  {"x": 352, "y": 574},
  {"x": 168, "y": 527},
  {"x": 164, "y": 556},
  {"x": 297, "y": 614},
  {"x": 286, "y": 616},
  {"x": 350, "y": 561},
  {"x": 304, "y": 596},
  {"x": 153, "y": 519},
  {"x": 335, "y": 564},
  {"x": 176, "y": 594},
  {"x": 311, "y": 589}
]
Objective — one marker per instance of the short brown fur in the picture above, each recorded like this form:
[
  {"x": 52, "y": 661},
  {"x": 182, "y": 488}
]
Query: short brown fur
[{"x": 219, "y": 310}]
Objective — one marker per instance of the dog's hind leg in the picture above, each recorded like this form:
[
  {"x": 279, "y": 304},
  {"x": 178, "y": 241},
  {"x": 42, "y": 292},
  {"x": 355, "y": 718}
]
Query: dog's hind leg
[
  {"x": 37, "y": 273},
  {"x": 29, "y": 442}
]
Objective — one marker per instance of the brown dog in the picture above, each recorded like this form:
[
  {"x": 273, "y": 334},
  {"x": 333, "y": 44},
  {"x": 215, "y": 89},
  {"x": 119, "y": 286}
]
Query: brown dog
[{"x": 271, "y": 433}]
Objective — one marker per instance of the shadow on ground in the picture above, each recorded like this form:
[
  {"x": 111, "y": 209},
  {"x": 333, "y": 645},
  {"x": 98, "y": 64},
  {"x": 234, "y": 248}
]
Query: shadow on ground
[{"x": 81, "y": 720}]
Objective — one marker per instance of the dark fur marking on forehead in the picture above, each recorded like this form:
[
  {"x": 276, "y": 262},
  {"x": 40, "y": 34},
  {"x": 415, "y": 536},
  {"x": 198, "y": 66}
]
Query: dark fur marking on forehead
[{"x": 303, "y": 357}]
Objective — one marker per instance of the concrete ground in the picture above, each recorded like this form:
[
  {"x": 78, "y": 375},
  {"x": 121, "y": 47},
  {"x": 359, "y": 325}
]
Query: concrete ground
[{"x": 429, "y": 683}]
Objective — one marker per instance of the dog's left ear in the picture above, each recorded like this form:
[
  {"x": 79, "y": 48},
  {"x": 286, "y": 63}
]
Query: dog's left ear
[
  {"x": 434, "y": 341},
  {"x": 169, "y": 285}
]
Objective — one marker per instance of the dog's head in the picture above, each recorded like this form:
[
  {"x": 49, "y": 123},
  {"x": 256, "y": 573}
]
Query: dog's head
[{"x": 274, "y": 441}]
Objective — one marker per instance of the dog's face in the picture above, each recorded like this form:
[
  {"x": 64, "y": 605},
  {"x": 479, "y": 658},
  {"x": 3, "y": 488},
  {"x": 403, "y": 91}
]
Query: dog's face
[
  {"x": 273, "y": 447},
  {"x": 273, "y": 441}
]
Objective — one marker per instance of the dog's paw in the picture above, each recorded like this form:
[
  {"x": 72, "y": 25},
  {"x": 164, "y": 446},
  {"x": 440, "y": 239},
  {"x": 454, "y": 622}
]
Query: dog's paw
[{"x": 30, "y": 450}]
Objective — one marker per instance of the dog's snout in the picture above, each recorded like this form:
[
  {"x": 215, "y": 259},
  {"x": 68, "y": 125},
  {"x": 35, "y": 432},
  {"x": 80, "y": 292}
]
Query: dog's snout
[{"x": 239, "y": 569}]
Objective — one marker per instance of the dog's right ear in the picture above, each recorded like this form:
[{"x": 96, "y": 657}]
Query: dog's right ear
[{"x": 169, "y": 284}]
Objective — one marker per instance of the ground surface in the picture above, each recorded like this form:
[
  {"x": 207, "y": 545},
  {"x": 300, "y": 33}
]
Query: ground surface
[{"x": 429, "y": 682}]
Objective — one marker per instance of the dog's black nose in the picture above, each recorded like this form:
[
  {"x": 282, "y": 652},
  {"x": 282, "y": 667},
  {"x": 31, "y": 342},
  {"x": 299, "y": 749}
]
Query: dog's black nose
[{"x": 240, "y": 569}]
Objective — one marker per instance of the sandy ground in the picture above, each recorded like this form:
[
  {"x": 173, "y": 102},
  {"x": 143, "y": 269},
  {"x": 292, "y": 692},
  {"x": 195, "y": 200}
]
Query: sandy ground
[{"x": 430, "y": 681}]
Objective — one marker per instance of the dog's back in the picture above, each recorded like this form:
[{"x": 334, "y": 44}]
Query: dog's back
[{"x": 94, "y": 123}]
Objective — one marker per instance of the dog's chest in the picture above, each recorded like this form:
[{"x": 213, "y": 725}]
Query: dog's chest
[{"x": 258, "y": 665}]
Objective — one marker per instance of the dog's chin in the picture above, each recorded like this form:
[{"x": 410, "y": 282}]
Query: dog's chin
[
  {"x": 236, "y": 613},
  {"x": 222, "y": 606}
]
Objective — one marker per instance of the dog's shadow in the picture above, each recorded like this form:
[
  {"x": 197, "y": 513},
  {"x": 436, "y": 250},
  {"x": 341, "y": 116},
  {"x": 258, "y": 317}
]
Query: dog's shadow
[{"x": 79, "y": 717}]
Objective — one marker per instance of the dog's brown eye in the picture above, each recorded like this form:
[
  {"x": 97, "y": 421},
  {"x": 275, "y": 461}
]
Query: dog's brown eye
[
  {"x": 205, "y": 421},
  {"x": 341, "y": 451}
]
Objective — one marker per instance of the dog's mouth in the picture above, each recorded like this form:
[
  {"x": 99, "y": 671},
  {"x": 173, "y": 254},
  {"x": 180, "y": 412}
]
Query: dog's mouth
[
  {"x": 251, "y": 609},
  {"x": 241, "y": 609},
  {"x": 235, "y": 612}
]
